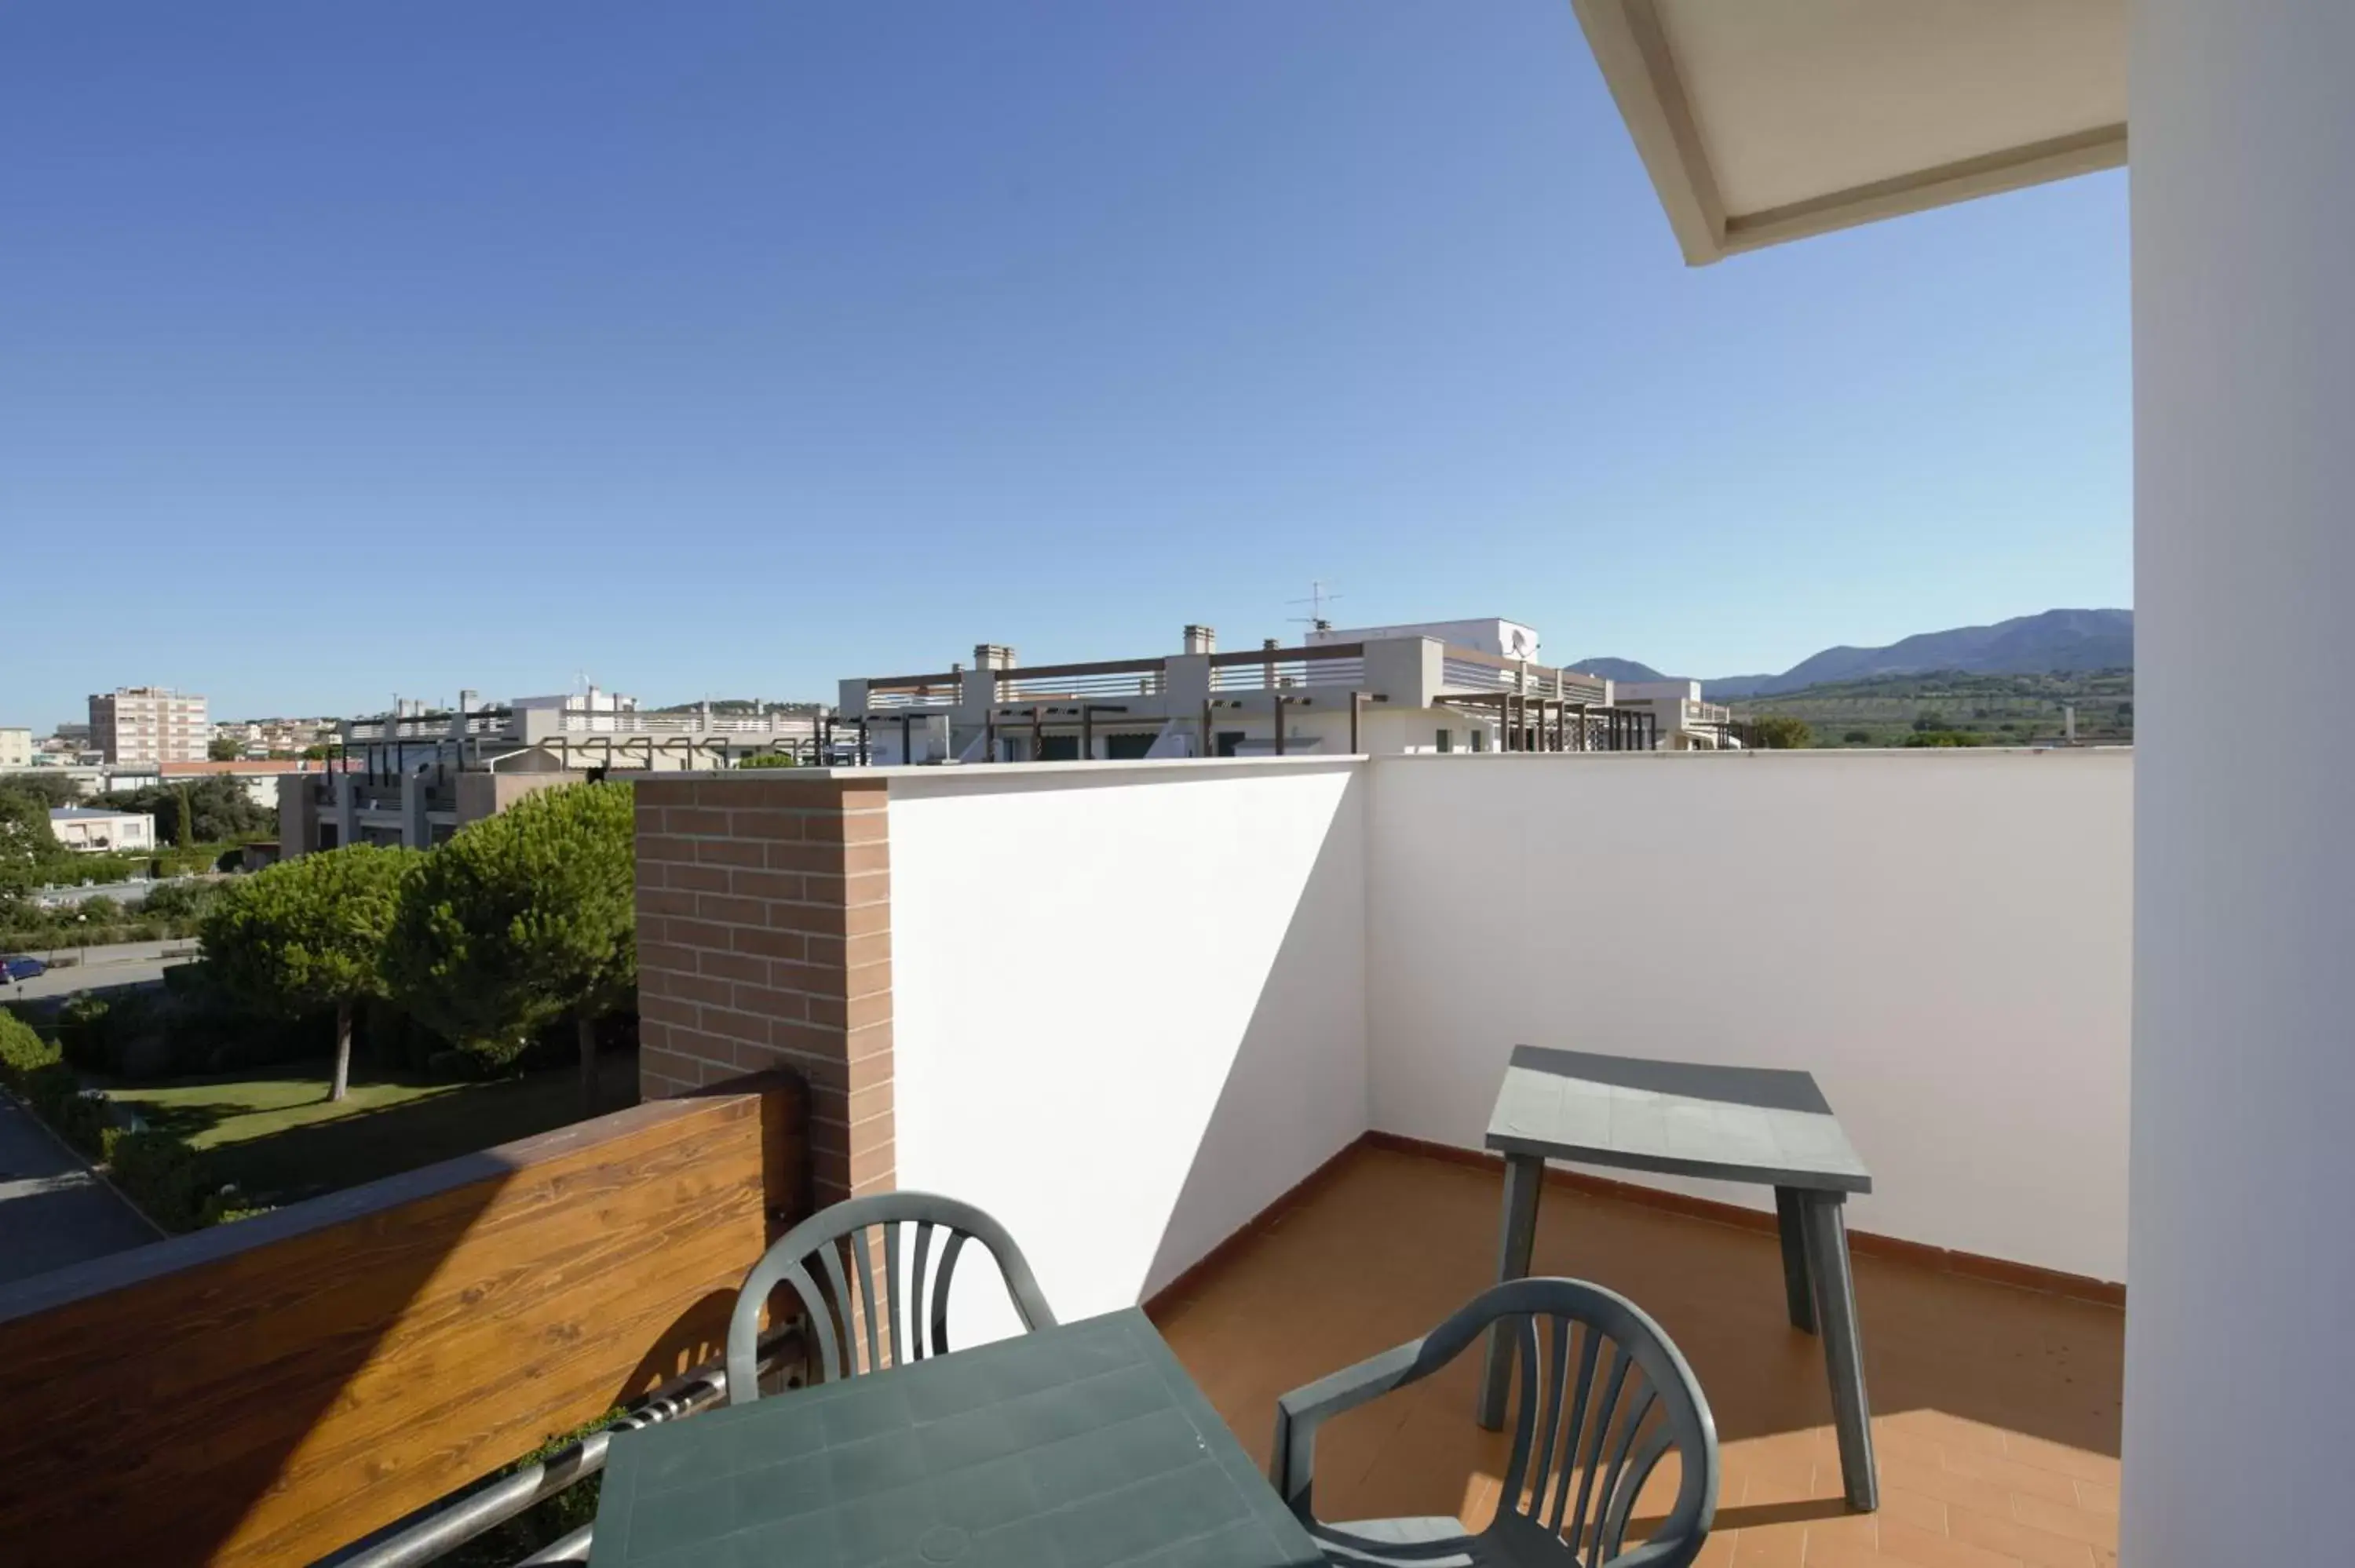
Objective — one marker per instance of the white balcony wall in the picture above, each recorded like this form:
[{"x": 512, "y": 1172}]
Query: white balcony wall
[
  {"x": 1129, "y": 1006},
  {"x": 1944, "y": 939}
]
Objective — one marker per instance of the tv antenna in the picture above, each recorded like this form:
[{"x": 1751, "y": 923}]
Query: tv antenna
[{"x": 1320, "y": 594}]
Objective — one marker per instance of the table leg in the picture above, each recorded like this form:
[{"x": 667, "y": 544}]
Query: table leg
[
  {"x": 1790, "y": 1219},
  {"x": 1827, "y": 1229},
  {"x": 1524, "y": 1175}
]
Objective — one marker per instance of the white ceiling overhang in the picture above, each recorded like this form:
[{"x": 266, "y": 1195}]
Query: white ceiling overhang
[{"x": 1763, "y": 121}]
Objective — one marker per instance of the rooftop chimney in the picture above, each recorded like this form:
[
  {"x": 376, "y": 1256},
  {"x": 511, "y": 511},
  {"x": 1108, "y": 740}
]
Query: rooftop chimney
[{"x": 1201, "y": 639}]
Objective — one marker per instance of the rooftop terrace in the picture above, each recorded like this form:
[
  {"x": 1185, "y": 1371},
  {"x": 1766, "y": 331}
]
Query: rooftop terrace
[
  {"x": 1130, "y": 1010},
  {"x": 1997, "y": 1408}
]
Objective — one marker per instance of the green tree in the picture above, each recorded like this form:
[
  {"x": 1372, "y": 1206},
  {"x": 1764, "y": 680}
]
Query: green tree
[
  {"x": 1943, "y": 737},
  {"x": 222, "y": 810},
  {"x": 221, "y": 748},
  {"x": 48, "y": 786},
  {"x": 523, "y": 919},
  {"x": 184, "y": 817},
  {"x": 1782, "y": 732},
  {"x": 768, "y": 760},
  {"x": 29, "y": 852},
  {"x": 311, "y": 933},
  {"x": 1857, "y": 737}
]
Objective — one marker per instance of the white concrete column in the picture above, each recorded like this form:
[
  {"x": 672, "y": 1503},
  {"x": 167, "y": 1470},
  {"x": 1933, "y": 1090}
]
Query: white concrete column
[{"x": 2240, "y": 1403}]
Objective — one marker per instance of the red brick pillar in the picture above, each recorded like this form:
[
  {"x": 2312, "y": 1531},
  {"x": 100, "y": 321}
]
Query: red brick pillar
[{"x": 764, "y": 941}]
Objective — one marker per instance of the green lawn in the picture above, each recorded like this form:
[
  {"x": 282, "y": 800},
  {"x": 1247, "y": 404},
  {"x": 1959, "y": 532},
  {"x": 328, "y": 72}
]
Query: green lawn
[{"x": 276, "y": 1135}]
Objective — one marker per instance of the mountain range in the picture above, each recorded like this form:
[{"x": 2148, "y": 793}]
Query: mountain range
[{"x": 2026, "y": 645}]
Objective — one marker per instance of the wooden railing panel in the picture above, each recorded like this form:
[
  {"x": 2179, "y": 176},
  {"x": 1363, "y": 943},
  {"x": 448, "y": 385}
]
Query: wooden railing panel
[{"x": 269, "y": 1390}]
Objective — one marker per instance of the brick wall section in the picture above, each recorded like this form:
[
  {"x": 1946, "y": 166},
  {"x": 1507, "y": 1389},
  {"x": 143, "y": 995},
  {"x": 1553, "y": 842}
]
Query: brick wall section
[{"x": 764, "y": 941}]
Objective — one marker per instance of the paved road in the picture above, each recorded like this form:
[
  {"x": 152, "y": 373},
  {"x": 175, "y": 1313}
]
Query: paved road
[
  {"x": 53, "y": 1212},
  {"x": 118, "y": 952},
  {"x": 108, "y": 966}
]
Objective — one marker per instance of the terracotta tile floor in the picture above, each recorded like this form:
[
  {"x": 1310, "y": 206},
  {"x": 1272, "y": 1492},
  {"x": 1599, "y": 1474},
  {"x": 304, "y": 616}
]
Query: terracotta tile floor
[{"x": 1996, "y": 1409}]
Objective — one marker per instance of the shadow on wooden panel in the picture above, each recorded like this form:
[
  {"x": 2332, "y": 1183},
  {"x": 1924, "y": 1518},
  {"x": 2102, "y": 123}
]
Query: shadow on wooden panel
[
  {"x": 698, "y": 1336},
  {"x": 269, "y": 1390}
]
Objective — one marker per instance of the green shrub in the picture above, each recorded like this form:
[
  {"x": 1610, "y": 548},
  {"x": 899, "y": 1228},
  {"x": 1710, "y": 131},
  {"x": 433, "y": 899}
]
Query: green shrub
[
  {"x": 1781, "y": 732},
  {"x": 22, "y": 1051},
  {"x": 55, "y": 1093},
  {"x": 193, "y": 1024},
  {"x": 165, "y": 1177},
  {"x": 180, "y": 901},
  {"x": 170, "y": 1181},
  {"x": 85, "y": 1034}
]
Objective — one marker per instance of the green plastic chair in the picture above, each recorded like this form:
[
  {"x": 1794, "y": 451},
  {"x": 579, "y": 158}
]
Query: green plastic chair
[
  {"x": 844, "y": 1239},
  {"x": 1617, "y": 1397}
]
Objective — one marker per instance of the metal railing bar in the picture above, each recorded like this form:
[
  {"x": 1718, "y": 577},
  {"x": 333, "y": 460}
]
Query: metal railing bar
[{"x": 443, "y": 1532}]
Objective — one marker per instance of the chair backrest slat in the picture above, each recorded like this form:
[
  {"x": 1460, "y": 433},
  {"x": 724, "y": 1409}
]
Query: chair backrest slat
[
  {"x": 861, "y": 1244},
  {"x": 839, "y": 1301},
  {"x": 1615, "y": 1470},
  {"x": 916, "y": 1287},
  {"x": 1525, "y": 1342},
  {"x": 1610, "y": 1419},
  {"x": 1614, "y": 1517},
  {"x": 891, "y": 1288},
  {"x": 1550, "y": 1421},
  {"x": 1596, "y": 1430},
  {"x": 838, "y": 1285},
  {"x": 1590, "y": 1343},
  {"x": 941, "y": 1293}
]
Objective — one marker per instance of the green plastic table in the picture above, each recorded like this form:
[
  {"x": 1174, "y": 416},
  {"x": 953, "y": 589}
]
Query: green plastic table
[
  {"x": 1085, "y": 1446},
  {"x": 1763, "y": 1124}
]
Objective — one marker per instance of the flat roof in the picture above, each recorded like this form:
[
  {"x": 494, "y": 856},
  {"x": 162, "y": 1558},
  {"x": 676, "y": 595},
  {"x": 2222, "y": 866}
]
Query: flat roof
[
  {"x": 1765, "y": 121},
  {"x": 91, "y": 814}
]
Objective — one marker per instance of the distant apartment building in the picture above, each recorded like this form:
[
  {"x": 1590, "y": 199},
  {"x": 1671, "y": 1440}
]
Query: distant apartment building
[
  {"x": 148, "y": 725},
  {"x": 16, "y": 748},
  {"x": 92, "y": 832},
  {"x": 416, "y": 774},
  {"x": 1435, "y": 686}
]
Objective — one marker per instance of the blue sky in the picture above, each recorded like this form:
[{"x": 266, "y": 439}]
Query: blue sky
[{"x": 729, "y": 348}]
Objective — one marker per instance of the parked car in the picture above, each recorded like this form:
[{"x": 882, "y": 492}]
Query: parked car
[{"x": 21, "y": 967}]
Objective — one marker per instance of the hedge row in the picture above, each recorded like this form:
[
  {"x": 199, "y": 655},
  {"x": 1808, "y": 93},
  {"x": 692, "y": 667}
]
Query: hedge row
[
  {"x": 65, "y": 939},
  {"x": 158, "y": 1172}
]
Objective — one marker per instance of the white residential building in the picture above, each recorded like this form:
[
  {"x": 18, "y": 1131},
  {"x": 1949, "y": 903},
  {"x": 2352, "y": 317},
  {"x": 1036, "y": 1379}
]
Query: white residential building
[
  {"x": 93, "y": 831},
  {"x": 1387, "y": 691},
  {"x": 16, "y": 748},
  {"x": 148, "y": 725},
  {"x": 416, "y": 774},
  {"x": 1685, "y": 722}
]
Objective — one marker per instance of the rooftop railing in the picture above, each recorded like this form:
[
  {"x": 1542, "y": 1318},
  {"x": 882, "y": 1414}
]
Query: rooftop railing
[
  {"x": 1469, "y": 668},
  {"x": 423, "y": 726},
  {"x": 1339, "y": 664},
  {"x": 941, "y": 690},
  {"x": 636, "y": 722},
  {"x": 1104, "y": 678}
]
